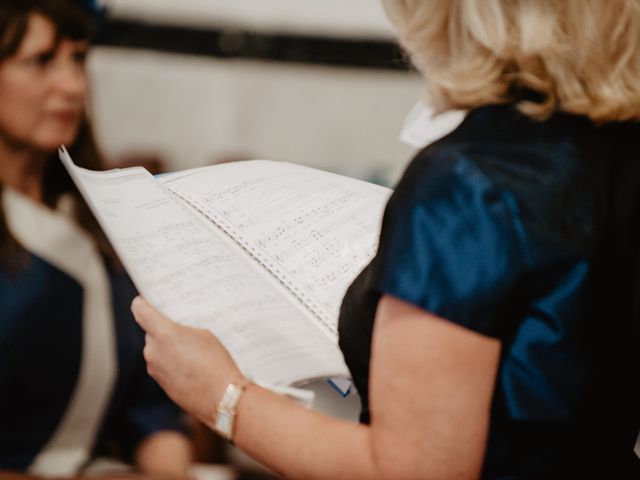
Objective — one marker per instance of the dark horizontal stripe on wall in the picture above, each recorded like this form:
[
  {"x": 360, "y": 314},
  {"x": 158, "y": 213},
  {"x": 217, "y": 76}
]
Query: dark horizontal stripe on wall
[{"x": 232, "y": 43}]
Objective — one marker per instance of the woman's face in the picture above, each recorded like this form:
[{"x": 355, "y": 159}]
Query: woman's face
[{"x": 43, "y": 87}]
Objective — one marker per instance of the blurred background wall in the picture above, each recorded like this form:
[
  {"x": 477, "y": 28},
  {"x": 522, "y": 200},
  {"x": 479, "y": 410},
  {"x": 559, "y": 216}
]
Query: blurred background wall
[{"x": 317, "y": 82}]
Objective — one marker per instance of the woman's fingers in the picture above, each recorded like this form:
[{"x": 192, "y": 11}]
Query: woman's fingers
[{"x": 190, "y": 364}]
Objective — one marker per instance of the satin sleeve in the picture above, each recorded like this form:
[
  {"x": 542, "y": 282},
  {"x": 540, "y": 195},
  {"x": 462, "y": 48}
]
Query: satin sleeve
[{"x": 451, "y": 243}]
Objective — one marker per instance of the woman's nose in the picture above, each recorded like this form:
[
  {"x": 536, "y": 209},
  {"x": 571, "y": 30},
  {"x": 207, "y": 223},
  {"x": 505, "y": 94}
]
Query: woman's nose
[{"x": 71, "y": 80}]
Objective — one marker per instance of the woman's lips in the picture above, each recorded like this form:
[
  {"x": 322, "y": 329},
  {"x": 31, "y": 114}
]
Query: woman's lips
[{"x": 67, "y": 116}]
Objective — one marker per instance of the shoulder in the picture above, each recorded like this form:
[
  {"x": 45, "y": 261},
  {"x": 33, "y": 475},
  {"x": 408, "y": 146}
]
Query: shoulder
[
  {"x": 506, "y": 145},
  {"x": 476, "y": 212},
  {"x": 550, "y": 171}
]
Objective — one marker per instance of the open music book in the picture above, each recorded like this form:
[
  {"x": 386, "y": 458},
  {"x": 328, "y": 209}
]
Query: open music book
[{"x": 258, "y": 252}]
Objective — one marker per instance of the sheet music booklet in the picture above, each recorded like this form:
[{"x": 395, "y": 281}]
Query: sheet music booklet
[{"x": 258, "y": 252}]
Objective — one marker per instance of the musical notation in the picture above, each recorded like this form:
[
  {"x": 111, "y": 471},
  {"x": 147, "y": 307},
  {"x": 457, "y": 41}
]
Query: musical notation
[
  {"x": 317, "y": 229},
  {"x": 195, "y": 275}
]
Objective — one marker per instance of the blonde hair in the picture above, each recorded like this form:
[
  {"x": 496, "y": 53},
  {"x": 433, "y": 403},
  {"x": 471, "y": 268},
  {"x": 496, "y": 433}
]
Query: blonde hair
[{"x": 583, "y": 56}]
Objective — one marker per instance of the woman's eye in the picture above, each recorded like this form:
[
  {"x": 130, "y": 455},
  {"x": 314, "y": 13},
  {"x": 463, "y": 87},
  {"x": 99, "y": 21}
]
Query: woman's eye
[
  {"x": 80, "y": 57},
  {"x": 41, "y": 60}
]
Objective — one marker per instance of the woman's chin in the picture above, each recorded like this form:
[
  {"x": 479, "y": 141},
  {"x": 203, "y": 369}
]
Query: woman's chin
[{"x": 51, "y": 142}]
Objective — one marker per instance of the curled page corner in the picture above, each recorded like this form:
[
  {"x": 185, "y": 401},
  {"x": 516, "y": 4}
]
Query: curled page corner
[{"x": 64, "y": 156}]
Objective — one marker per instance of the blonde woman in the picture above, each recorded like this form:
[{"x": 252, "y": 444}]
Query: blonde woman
[{"x": 495, "y": 334}]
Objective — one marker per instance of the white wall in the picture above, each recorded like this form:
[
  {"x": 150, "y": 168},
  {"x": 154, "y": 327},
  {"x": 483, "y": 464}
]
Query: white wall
[
  {"x": 342, "y": 18},
  {"x": 195, "y": 110}
]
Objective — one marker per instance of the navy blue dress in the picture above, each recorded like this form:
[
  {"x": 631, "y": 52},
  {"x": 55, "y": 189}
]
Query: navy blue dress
[
  {"x": 527, "y": 232},
  {"x": 40, "y": 352}
]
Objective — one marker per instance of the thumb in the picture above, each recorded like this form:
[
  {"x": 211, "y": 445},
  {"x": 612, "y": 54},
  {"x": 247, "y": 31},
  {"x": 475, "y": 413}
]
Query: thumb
[{"x": 150, "y": 319}]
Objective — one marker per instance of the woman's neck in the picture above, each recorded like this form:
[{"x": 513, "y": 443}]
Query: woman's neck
[{"x": 23, "y": 170}]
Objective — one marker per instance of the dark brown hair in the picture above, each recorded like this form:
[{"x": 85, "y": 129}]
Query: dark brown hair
[{"x": 71, "y": 22}]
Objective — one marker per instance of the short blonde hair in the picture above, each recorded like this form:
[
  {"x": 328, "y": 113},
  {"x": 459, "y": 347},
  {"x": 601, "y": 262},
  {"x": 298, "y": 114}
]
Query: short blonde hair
[{"x": 582, "y": 55}]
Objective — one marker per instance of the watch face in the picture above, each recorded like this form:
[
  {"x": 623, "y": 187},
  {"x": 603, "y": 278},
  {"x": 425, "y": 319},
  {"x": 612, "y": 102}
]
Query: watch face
[
  {"x": 224, "y": 423},
  {"x": 227, "y": 409}
]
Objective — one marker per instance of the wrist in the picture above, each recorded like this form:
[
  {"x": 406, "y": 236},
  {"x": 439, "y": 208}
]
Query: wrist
[{"x": 209, "y": 397}]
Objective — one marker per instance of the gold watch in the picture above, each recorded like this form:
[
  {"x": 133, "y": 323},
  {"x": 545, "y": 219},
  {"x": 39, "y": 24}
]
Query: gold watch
[{"x": 226, "y": 409}]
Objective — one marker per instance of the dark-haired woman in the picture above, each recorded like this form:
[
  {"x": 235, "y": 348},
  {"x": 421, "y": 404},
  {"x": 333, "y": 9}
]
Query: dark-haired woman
[{"x": 72, "y": 379}]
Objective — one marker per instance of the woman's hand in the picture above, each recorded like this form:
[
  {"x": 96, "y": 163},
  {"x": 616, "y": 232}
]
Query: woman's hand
[{"x": 190, "y": 364}]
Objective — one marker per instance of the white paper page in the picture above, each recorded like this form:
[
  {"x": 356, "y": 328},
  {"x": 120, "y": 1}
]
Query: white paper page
[
  {"x": 314, "y": 229},
  {"x": 195, "y": 276}
]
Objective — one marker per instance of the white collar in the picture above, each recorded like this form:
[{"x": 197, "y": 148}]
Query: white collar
[
  {"x": 422, "y": 127},
  {"x": 55, "y": 237}
]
